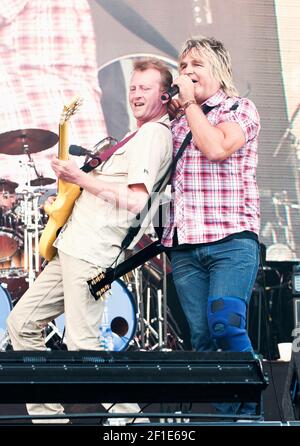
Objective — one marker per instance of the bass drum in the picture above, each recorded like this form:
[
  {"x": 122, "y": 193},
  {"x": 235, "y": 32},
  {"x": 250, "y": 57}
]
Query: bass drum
[
  {"x": 5, "y": 309},
  {"x": 120, "y": 315}
]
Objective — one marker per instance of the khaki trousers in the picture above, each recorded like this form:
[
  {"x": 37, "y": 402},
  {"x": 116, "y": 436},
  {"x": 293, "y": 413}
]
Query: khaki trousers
[{"x": 60, "y": 288}]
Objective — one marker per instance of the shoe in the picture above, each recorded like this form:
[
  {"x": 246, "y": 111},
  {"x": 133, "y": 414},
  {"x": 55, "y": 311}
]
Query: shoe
[
  {"x": 124, "y": 421},
  {"x": 138, "y": 421},
  {"x": 241, "y": 420},
  {"x": 114, "y": 422}
]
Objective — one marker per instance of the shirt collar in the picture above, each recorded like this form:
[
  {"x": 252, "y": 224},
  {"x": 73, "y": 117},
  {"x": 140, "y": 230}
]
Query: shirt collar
[
  {"x": 165, "y": 119},
  {"x": 216, "y": 99}
]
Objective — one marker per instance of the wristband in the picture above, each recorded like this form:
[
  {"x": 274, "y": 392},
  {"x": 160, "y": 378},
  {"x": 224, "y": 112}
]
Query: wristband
[{"x": 188, "y": 103}]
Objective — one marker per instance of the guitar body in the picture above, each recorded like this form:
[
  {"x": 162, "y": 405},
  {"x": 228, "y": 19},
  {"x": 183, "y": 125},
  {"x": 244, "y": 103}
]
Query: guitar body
[
  {"x": 67, "y": 194},
  {"x": 58, "y": 212}
]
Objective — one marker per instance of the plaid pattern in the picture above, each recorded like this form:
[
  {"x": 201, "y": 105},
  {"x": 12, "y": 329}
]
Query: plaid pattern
[
  {"x": 47, "y": 56},
  {"x": 212, "y": 200}
]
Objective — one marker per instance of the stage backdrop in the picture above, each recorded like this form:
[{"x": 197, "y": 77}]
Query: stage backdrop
[{"x": 264, "y": 39}]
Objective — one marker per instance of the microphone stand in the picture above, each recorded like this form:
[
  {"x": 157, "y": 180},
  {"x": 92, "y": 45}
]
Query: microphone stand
[{"x": 288, "y": 132}]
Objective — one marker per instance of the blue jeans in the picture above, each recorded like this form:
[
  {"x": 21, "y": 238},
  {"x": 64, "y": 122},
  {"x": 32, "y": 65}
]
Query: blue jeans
[{"x": 221, "y": 270}]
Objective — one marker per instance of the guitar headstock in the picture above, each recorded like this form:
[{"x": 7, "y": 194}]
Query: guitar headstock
[
  {"x": 101, "y": 283},
  {"x": 70, "y": 109}
]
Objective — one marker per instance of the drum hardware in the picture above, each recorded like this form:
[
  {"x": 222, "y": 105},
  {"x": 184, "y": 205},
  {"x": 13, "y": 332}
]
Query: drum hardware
[
  {"x": 7, "y": 185},
  {"x": 5, "y": 308},
  {"x": 283, "y": 246},
  {"x": 145, "y": 331},
  {"x": 35, "y": 140},
  {"x": 30, "y": 218},
  {"x": 41, "y": 181},
  {"x": 9, "y": 240},
  {"x": 288, "y": 134},
  {"x": 7, "y": 193},
  {"x": 157, "y": 329},
  {"x": 53, "y": 337},
  {"x": 26, "y": 142}
]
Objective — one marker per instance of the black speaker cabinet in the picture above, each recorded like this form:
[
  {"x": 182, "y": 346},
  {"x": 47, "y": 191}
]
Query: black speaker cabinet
[{"x": 291, "y": 395}]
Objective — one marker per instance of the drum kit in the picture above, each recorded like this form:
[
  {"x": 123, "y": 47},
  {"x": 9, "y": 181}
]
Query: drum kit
[
  {"x": 130, "y": 318},
  {"x": 21, "y": 217}
]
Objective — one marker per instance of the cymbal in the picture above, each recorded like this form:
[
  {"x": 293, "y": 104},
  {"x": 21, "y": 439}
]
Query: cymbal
[
  {"x": 18, "y": 142},
  {"x": 7, "y": 185},
  {"x": 42, "y": 181}
]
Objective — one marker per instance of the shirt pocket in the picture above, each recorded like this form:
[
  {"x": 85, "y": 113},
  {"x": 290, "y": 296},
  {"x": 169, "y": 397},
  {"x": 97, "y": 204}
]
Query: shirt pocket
[{"x": 117, "y": 164}]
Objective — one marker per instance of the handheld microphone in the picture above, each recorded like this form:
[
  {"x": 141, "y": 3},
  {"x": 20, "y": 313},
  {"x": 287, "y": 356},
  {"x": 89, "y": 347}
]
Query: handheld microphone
[
  {"x": 79, "y": 151},
  {"x": 172, "y": 91}
]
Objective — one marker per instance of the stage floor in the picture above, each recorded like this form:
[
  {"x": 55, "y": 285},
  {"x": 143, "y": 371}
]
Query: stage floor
[{"x": 272, "y": 398}]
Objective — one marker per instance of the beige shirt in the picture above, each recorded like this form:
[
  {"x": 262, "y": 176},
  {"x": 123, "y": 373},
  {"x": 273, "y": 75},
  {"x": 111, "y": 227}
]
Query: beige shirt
[{"x": 96, "y": 228}]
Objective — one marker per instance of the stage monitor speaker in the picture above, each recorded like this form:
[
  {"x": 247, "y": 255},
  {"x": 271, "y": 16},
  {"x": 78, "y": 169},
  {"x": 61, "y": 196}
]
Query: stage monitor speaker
[
  {"x": 296, "y": 305},
  {"x": 291, "y": 395},
  {"x": 91, "y": 376}
]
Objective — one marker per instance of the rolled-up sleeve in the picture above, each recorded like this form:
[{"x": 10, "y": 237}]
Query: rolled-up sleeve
[{"x": 246, "y": 115}]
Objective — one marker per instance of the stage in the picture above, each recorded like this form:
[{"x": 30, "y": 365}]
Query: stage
[{"x": 171, "y": 387}]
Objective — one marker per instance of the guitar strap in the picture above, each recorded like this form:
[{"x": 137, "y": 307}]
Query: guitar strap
[{"x": 95, "y": 161}]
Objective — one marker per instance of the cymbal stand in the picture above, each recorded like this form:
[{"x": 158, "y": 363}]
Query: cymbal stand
[
  {"x": 157, "y": 336},
  {"x": 30, "y": 163},
  {"x": 140, "y": 305},
  {"x": 30, "y": 219},
  {"x": 162, "y": 310},
  {"x": 160, "y": 319},
  {"x": 148, "y": 315},
  {"x": 145, "y": 331}
]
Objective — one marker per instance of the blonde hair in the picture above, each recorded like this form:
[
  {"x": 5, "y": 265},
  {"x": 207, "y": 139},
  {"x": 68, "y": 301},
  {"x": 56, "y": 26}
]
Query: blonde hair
[
  {"x": 151, "y": 62},
  {"x": 218, "y": 57}
]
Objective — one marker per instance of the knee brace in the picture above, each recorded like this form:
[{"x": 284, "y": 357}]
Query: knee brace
[{"x": 227, "y": 323}]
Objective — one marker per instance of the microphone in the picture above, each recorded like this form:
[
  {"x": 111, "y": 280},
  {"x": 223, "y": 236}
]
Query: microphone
[
  {"x": 79, "y": 151},
  {"x": 172, "y": 91}
]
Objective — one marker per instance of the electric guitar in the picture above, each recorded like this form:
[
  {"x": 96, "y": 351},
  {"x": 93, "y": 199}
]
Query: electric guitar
[
  {"x": 67, "y": 193},
  {"x": 101, "y": 283}
]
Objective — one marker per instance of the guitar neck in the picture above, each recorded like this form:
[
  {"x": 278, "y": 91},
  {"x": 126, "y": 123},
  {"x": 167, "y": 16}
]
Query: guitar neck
[
  {"x": 138, "y": 259},
  {"x": 63, "y": 148}
]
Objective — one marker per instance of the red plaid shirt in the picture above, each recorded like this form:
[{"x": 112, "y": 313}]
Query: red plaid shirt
[
  {"x": 212, "y": 200},
  {"x": 47, "y": 56}
]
